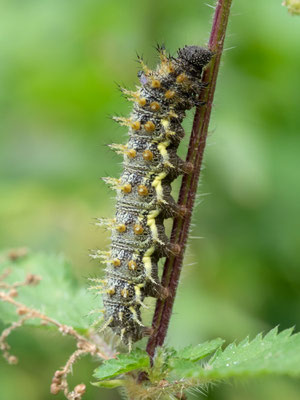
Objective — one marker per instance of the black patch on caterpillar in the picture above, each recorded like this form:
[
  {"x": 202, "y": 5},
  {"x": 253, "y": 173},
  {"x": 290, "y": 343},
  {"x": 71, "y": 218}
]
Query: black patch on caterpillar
[{"x": 144, "y": 198}]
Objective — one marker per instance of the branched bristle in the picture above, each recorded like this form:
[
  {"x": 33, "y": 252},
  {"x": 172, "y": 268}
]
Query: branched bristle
[
  {"x": 113, "y": 182},
  {"x": 108, "y": 223},
  {"x": 102, "y": 255},
  {"x": 118, "y": 148},
  {"x": 147, "y": 71}
]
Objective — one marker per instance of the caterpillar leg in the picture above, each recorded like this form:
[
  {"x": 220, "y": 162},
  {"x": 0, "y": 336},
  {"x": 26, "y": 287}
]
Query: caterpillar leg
[
  {"x": 172, "y": 249},
  {"x": 174, "y": 210},
  {"x": 186, "y": 167},
  {"x": 157, "y": 291}
]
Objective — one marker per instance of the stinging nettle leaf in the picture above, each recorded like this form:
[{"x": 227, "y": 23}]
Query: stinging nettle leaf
[
  {"x": 137, "y": 359},
  {"x": 195, "y": 353},
  {"x": 275, "y": 353},
  {"x": 58, "y": 294}
]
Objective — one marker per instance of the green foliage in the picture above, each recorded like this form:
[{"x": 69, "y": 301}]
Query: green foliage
[
  {"x": 275, "y": 353},
  {"x": 110, "y": 383},
  {"x": 136, "y": 360},
  {"x": 164, "y": 362},
  {"x": 58, "y": 295},
  {"x": 195, "y": 353},
  {"x": 160, "y": 368}
]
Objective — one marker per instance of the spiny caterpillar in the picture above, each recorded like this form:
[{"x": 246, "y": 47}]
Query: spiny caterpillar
[{"x": 144, "y": 198}]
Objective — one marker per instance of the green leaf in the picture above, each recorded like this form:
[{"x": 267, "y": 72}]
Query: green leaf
[
  {"x": 195, "y": 353},
  {"x": 161, "y": 363},
  {"x": 272, "y": 354},
  {"x": 110, "y": 384},
  {"x": 137, "y": 359},
  {"x": 58, "y": 294}
]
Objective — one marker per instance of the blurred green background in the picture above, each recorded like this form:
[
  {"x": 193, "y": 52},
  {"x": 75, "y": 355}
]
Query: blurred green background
[{"x": 60, "y": 61}]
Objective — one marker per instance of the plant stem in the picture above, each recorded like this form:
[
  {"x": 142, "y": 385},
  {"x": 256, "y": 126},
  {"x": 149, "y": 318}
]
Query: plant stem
[{"x": 188, "y": 190}]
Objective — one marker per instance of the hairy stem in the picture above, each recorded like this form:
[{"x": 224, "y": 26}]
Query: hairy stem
[{"x": 188, "y": 190}]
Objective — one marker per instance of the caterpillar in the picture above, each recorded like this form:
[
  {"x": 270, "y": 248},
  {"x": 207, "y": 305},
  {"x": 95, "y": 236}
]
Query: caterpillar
[{"x": 144, "y": 200}]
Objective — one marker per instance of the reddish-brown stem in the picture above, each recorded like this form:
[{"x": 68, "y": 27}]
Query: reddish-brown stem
[{"x": 188, "y": 190}]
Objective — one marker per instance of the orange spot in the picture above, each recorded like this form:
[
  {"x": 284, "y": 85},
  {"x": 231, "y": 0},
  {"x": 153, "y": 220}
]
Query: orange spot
[
  {"x": 132, "y": 265},
  {"x": 136, "y": 125},
  {"x": 142, "y": 190},
  {"x": 121, "y": 228},
  {"x": 169, "y": 94},
  {"x": 155, "y": 84},
  {"x": 154, "y": 106},
  {"x": 124, "y": 293},
  {"x": 126, "y": 188},
  {"x": 181, "y": 78},
  {"x": 111, "y": 291},
  {"x": 131, "y": 153},
  {"x": 116, "y": 262},
  {"x": 142, "y": 101},
  {"x": 149, "y": 126},
  {"x": 171, "y": 69},
  {"x": 148, "y": 155},
  {"x": 138, "y": 229}
]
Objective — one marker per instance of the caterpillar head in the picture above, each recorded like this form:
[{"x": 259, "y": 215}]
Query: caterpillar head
[{"x": 194, "y": 58}]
